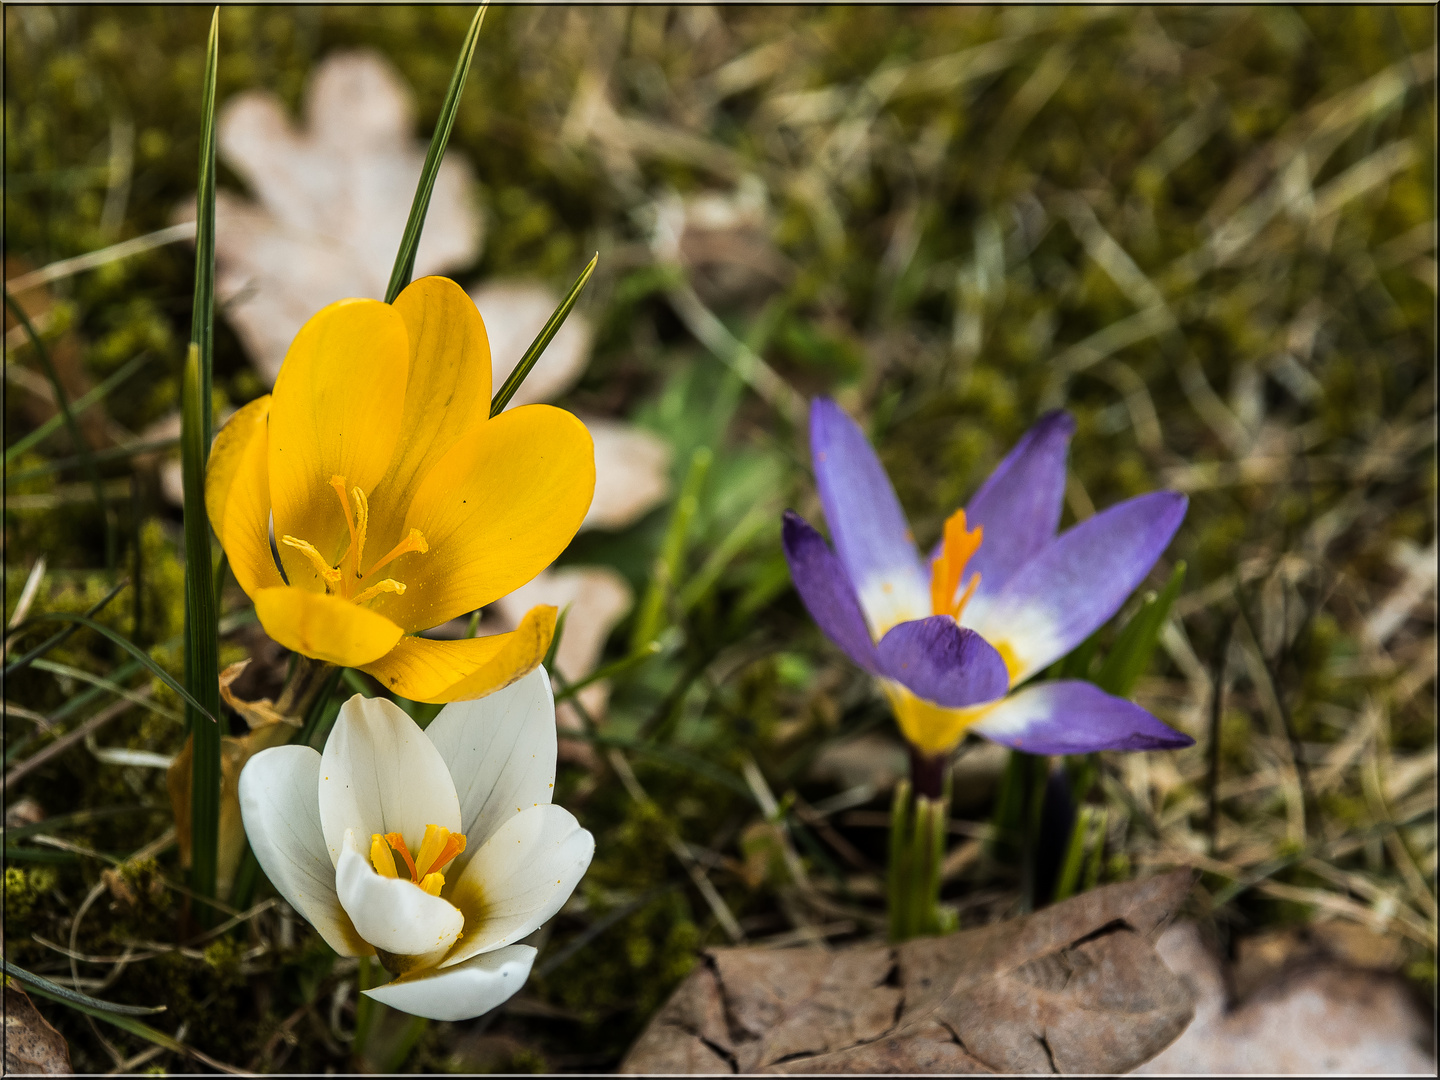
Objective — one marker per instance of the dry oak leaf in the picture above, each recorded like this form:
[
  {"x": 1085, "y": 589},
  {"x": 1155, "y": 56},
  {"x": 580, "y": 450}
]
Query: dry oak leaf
[
  {"x": 1076, "y": 987},
  {"x": 332, "y": 199},
  {"x": 32, "y": 1046}
]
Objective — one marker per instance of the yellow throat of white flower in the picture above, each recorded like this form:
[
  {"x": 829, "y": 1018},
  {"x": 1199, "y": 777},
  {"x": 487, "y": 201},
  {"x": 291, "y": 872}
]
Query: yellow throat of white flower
[{"x": 437, "y": 849}]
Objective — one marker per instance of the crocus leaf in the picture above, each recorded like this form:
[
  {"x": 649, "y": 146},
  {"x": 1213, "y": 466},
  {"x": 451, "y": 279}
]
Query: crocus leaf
[
  {"x": 1128, "y": 659},
  {"x": 1076, "y": 987}
]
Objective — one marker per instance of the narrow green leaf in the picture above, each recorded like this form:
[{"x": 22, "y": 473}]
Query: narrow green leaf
[
  {"x": 1131, "y": 654},
  {"x": 105, "y": 684},
  {"x": 549, "y": 330},
  {"x": 117, "y": 453},
  {"x": 410, "y": 239},
  {"x": 126, "y": 644},
  {"x": 72, "y": 997},
  {"x": 202, "y": 667},
  {"x": 55, "y": 640},
  {"x": 80, "y": 404},
  {"x": 651, "y": 618},
  {"x": 549, "y": 661},
  {"x": 82, "y": 448},
  {"x": 202, "y": 314}
]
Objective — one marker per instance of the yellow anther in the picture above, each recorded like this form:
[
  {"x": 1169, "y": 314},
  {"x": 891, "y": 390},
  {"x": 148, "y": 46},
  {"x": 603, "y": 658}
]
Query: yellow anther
[
  {"x": 388, "y": 585},
  {"x": 381, "y": 856},
  {"x": 324, "y": 569},
  {"x": 362, "y": 524},
  {"x": 438, "y": 847},
  {"x": 433, "y": 883},
  {"x": 414, "y": 542}
]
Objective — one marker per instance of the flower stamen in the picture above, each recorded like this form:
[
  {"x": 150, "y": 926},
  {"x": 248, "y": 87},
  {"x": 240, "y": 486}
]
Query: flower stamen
[
  {"x": 324, "y": 569},
  {"x": 362, "y": 522},
  {"x": 397, "y": 843},
  {"x": 433, "y": 883},
  {"x": 381, "y": 857},
  {"x": 438, "y": 847},
  {"x": 413, "y": 542},
  {"x": 388, "y": 585}
]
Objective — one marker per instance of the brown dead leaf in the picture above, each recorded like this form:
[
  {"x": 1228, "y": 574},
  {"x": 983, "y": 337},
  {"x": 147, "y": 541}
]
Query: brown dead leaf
[
  {"x": 1074, "y": 988},
  {"x": 1308, "y": 1001},
  {"x": 332, "y": 195},
  {"x": 255, "y": 713},
  {"x": 32, "y": 1046},
  {"x": 235, "y": 751}
]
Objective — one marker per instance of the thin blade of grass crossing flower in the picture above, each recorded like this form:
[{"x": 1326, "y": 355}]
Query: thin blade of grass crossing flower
[
  {"x": 410, "y": 239},
  {"x": 82, "y": 448},
  {"x": 549, "y": 330},
  {"x": 202, "y": 316},
  {"x": 1130, "y": 656},
  {"x": 202, "y": 669}
]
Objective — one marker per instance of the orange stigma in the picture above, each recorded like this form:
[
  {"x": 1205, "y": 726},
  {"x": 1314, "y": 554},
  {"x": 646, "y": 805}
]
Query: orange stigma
[{"x": 949, "y": 566}]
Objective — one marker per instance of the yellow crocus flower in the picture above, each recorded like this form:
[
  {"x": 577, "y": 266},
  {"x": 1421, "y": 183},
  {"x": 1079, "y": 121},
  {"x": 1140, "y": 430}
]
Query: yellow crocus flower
[{"x": 371, "y": 495}]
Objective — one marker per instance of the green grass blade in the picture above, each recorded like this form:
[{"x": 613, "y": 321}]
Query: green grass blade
[
  {"x": 651, "y": 618},
  {"x": 202, "y": 667},
  {"x": 202, "y": 315},
  {"x": 118, "y": 453},
  {"x": 72, "y": 997},
  {"x": 91, "y": 397},
  {"x": 57, "y": 639},
  {"x": 133, "y": 696},
  {"x": 410, "y": 239},
  {"x": 1131, "y": 655},
  {"x": 126, "y": 644},
  {"x": 82, "y": 448},
  {"x": 549, "y": 330},
  {"x": 609, "y": 671}
]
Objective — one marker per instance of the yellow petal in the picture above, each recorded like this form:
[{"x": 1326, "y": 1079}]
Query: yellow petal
[
  {"x": 325, "y": 627},
  {"x": 932, "y": 729},
  {"x": 335, "y": 412},
  {"x": 443, "y": 671},
  {"x": 237, "y": 496},
  {"x": 496, "y": 510},
  {"x": 448, "y": 392}
]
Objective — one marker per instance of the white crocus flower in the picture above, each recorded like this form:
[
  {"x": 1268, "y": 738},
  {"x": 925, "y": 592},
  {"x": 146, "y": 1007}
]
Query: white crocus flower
[{"x": 436, "y": 850}]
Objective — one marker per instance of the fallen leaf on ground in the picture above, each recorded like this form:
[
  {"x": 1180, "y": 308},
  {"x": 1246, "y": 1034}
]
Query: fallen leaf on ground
[
  {"x": 1076, "y": 987},
  {"x": 1311, "y": 1014},
  {"x": 632, "y": 467},
  {"x": 597, "y": 599},
  {"x": 32, "y": 1046},
  {"x": 332, "y": 198}
]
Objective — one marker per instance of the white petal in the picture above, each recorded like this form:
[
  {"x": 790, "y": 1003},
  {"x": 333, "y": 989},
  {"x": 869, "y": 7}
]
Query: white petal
[
  {"x": 632, "y": 473},
  {"x": 280, "y": 805},
  {"x": 516, "y": 311},
  {"x": 500, "y": 750},
  {"x": 380, "y": 774},
  {"x": 464, "y": 991},
  {"x": 520, "y": 878},
  {"x": 394, "y": 914}
]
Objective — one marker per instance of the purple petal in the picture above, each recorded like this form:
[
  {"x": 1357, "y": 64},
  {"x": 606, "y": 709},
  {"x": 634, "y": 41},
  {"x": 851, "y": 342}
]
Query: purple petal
[
  {"x": 865, "y": 519},
  {"x": 936, "y": 660},
  {"x": 1062, "y": 595},
  {"x": 826, "y": 591},
  {"x": 1019, "y": 505},
  {"x": 1068, "y": 716}
]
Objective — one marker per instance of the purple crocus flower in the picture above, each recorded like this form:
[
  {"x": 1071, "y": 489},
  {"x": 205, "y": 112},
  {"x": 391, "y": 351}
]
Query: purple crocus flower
[{"x": 1003, "y": 597}]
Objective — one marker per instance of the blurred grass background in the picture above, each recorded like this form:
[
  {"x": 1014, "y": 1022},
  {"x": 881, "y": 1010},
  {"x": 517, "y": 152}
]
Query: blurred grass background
[{"x": 1208, "y": 232}]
